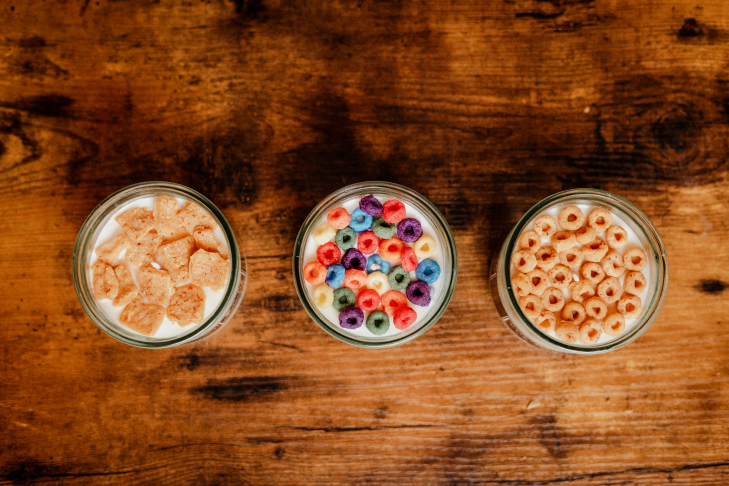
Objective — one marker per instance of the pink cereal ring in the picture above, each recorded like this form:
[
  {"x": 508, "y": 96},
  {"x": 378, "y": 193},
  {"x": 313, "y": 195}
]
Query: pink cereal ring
[{"x": 338, "y": 218}]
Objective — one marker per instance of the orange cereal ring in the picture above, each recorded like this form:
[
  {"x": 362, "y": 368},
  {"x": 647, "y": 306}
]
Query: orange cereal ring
[
  {"x": 610, "y": 290},
  {"x": 599, "y": 219},
  {"x": 590, "y": 331},
  {"x": 596, "y": 308},
  {"x": 355, "y": 279},
  {"x": 540, "y": 281},
  {"x": 553, "y": 299},
  {"x": 571, "y": 218},
  {"x": 635, "y": 259},
  {"x": 392, "y": 300},
  {"x": 595, "y": 250},
  {"x": 391, "y": 249},
  {"x": 521, "y": 285},
  {"x": 581, "y": 291},
  {"x": 613, "y": 264},
  {"x": 629, "y": 306},
  {"x": 616, "y": 237},
  {"x": 563, "y": 240},
  {"x": 547, "y": 257},
  {"x": 584, "y": 235},
  {"x": 338, "y": 218},
  {"x": 531, "y": 306},
  {"x": 546, "y": 321},
  {"x": 545, "y": 226},
  {"x": 523, "y": 260},
  {"x": 592, "y": 272},
  {"x": 573, "y": 312},
  {"x": 560, "y": 277},
  {"x": 571, "y": 258},
  {"x": 530, "y": 240},
  {"x": 614, "y": 324},
  {"x": 634, "y": 283},
  {"x": 567, "y": 331},
  {"x": 315, "y": 273}
]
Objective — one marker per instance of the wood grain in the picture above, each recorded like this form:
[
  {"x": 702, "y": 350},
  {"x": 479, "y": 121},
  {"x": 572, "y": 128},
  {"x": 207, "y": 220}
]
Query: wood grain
[{"x": 268, "y": 106}]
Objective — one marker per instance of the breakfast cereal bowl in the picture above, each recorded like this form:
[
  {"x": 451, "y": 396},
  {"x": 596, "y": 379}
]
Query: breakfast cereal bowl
[
  {"x": 375, "y": 264},
  {"x": 584, "y": 271}
]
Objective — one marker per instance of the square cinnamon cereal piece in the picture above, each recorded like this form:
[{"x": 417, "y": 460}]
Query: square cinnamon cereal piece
[
  {"x": 208, "y": 270},
  {"x": 142, "y": 318},
  {"x": 193, "y": 215},
  {"x": 175, "y": 257},
  {"x": 106, "y": 285},
  {"x": 187, "y": 305},
  {"x": 136, "y": 222},
  {"x": 127, "y": 288},
  {"x": 111, "y": 250},
  {"x": 205, "y": 239},
  {"x": 166, "y": 221},
  {"x": 155, "y": 285},
  {"x": 144, "y": 250}
]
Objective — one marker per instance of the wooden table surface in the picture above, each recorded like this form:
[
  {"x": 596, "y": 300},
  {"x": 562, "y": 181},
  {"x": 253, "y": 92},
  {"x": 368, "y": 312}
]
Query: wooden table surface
[{"x": 267, "y": 106}]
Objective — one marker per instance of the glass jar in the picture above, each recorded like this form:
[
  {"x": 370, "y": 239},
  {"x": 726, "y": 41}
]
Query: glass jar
[
  {"x": 86, "y": 242},
  {"x": 449, "y": 270},
  {"x": 506, "y": 301}
]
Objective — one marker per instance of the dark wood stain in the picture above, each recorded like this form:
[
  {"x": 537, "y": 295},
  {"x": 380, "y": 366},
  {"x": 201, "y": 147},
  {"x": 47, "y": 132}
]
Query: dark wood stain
[
  {"x": 712, "y": 286},
  {"x": 241, "y": 389}
]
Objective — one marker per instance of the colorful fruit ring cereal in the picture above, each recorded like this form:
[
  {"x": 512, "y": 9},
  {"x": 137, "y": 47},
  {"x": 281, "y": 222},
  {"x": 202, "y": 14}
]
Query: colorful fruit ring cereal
[
  {"x": 546, "y": 321},
  {"x": 585, "y": 235},
  {"x": 560, "y": 277},
  {"x": 368, "y": 242},
  {"x": 370, "y": 205},
  {"x": 378, "y": 323},
  {"x": 592, "y": 272},
  {"x": 360, "y": 221},
  {"x": 629, "y": 306},
  {"x": 409, "y": 230},
  {"x": 335, "y": 276},
  {"x": 383, "y": 229},
  {"x": 398, "y": 278},
  {"x": 392, "y": 300},
  {"x": 616, "y": 237},
  {"x": 595, "y": 250},
  {"x": 368, "y": 300},
  {"x": 428, "y": 271},
  {"x": 351, "y": 318},
  {"x": 547, "y": 257},
  {"x": 531, "y": 306},
  {"x": 563, "y": 240},
  {"x": 567, "y": 331},
  {"x": 530, "y": 240},
  {"x": 590, "y": 331},
  {"x": 418, "y": 293},
  {"x": 599, "y": 219},
  {"x": 355, "y": 279},
  {"x": 614, "y": 324},
  {"x": 553, "y": 299},
  {"x": 581, "y": 291},
  {"x": 574, "y": 312},
  {"x": 635, "y": 259},
  {"x": 613, "y": 264},
  {"x": 343, "y": 298},
  {"x": 571, "y": 218},
  {"x": 610, "y": 290},
  {"x": 540, "y": 281},
  {"x": 404, "y": 317},
  {"x": 338, "y": 218},
  {"x": 524, "y": 261},
  {"x": 571, "y": 258},
  {"x": 521, "y": 284},
  {"x": 393, "y": 211},
  {"x": 378, "y": 281},
  {"x": 634, "y": 283},
  {"x": 346, "y": 239},
  {"x": 596, "y": 308},
  {"x": 323, "y": 296},
  {"x": 425, "y": 247},
  {"x": 545, "y": 226},
  {"x": 409, "y": 259},
  {"x": 354, "y": 258},
  {"x": 375, "y": 263},
  {"x": 391, "y": 250},
  {"x": 315, "y": 273},
  {"x": 328, "y": 254},
  {"x": 323, "y": 234}
]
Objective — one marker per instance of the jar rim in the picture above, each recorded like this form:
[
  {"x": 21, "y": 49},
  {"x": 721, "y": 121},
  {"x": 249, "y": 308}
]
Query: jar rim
[
  {"x": 375, "y": 187},
  {"x": 89, "y": 230}
]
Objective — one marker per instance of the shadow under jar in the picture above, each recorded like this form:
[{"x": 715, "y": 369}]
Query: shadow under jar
[
  {"x": 434, "y": 225},
  {"x": 642, "y": 233},
  {"x": 106, "y": 318}
]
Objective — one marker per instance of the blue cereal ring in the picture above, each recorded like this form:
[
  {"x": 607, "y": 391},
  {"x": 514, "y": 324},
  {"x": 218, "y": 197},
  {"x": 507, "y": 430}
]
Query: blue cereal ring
[
  {"x": 335, "y": 276},
  {"x": 376, "y": 264},
  {"x": 428, "y": 271},
  {"x": 360, "y": 221}
]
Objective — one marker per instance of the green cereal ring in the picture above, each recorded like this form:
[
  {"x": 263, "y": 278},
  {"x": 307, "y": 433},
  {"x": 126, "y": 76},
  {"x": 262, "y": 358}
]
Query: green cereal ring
[
  {"x": 398, "y": 278},
  {"x": 383, "y": 229},
  {"x": 378, "y": 323},
  {"x": 346, "y": 238},
  {"x": 343, "y": 298}
]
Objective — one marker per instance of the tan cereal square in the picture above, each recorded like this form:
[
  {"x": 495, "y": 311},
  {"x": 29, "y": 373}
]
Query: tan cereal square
[
  {"x": 166, "y": 221},
  {"x": 208, "y": 270},
  {"x": 127, "y": 288},
  {"x": 106, "y": 285},
  {"x": 175, "y": 258},
  {"x": 136, "y": 222},
  {"x": 205, "y": 239},
  {"x": 144, "y": 250},
  {"x": 193, "y": 215},
  {"x": 187, "y": 305},
  {"x": 142, "y": 318},
  {"x": 155, "y": 285},
  {"x": 111, "y": 250}
]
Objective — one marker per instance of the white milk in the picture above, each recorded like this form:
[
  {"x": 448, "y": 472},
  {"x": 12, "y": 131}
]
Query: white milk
[
  {"x": 168, "y": 328},
  {"x": 633, "y": 242},
  {"x": 332, "y": 314}
]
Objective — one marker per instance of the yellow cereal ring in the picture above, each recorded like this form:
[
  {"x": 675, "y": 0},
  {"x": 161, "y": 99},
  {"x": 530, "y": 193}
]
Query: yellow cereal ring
[
  {"x": 590, "y": 331},
  {"x": 425, "y": 247},
  {"x": 584, "y": 235},
  {"x": 599, "y": 219},
  {"x": 616, "y": 237},
  {"x": 531, "y": 306},
  {"x": 545, "y": 226},
  {"x": 563, "y": 240},
  {"x": 614, "y": 324},
  {"x": 323, "y": 233},
  {"x": 610, "y": 290},
  {"x": 581, "y": 291},
  {"x": 323, "y": 296},
  {"x": 592, "y": 272},
  {"x": 573, "y": 312},
  {"x": 530, "y": 240},
  {"x": 547, "y": 257},
  {"x": 524, "y": 261},
  {"x": 635, "y": 259},
  {"x": 571, "y": 218},
  {"x": 521, "y": 285},
  {"x": 613, "y": 264},
  {"x": 553, "y": 299},
  {"x": 571, "y": 258},
  {"x": 560, "y": 277},
  {"x": 378, "y": 282},
  {"x": 540, "y": 281},
  {"x": 595, "y": 250},
  {"x": 546, "y": 321},
  {"x": 629, "y": 306},
  {"x": 596, "y": 308},
  {"x": 567, "y": 331},
  {"x": 634, "y": 283}
]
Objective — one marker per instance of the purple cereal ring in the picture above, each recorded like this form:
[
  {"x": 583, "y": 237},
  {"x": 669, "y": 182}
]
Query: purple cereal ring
[
  {"x": 353, "y": 258},
  {"x": 351, "y": 318},
  {"x": 418, "y": 293},
  {"x": 409, "y": 230},
  {"x": 370, "y": 205}
]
